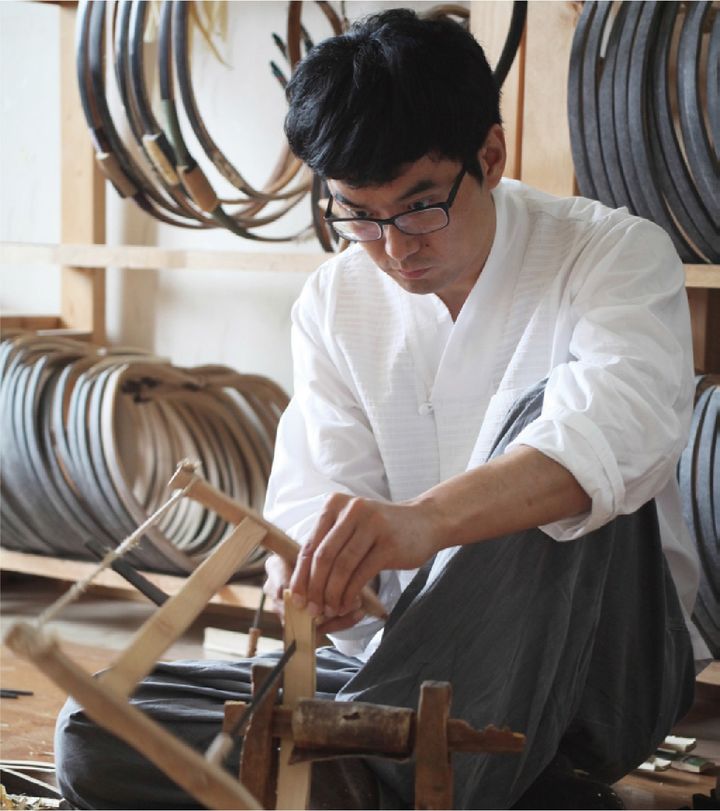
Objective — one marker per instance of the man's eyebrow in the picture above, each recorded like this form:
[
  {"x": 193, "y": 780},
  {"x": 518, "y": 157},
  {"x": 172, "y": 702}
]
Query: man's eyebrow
[{"x": 417, "y": 188}]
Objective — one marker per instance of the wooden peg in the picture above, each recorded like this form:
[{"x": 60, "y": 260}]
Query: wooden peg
[
  {"x": 258, "y": 759},
  {"x": 433, "y": 769}
]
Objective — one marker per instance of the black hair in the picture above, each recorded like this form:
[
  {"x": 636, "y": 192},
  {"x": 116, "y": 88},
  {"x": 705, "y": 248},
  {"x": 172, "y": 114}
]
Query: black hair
[{"x": 392, "y": 89}]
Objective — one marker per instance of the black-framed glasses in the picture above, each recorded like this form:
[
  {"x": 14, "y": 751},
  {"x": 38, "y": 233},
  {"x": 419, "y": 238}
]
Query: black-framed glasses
[{"x": 419, "y": 221}]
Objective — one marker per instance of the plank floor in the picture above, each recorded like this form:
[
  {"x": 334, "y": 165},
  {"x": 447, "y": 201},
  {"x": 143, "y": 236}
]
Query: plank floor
[{"x": 100, "y": 624}]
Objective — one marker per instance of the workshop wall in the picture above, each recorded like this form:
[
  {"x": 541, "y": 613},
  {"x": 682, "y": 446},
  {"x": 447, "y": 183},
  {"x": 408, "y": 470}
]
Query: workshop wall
[{"x": 240, "y": 319}]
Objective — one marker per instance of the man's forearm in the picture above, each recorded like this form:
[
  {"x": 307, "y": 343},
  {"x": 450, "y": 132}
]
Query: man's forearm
[{"x": 516, "y": 491}]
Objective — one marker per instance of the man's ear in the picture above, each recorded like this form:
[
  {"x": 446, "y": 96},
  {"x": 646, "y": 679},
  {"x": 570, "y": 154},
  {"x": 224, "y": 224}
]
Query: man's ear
[{"x": 492, "y": 156}]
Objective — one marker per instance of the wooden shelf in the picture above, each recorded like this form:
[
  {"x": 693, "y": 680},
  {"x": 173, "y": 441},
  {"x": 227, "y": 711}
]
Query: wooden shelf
[
  {"x": 241, "y": 597},
  {"x": 147, "y": 257}
]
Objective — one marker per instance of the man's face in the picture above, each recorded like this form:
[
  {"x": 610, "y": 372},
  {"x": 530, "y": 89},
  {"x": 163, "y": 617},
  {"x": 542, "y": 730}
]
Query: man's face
[{"x": 446, "y": 262}]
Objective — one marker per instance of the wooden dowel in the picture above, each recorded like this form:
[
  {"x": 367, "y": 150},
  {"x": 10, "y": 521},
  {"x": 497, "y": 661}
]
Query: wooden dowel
[
  {"x": 461, "y": 737},
  {"x": 209, "y": 784},
  {"x": 276, "y": 540},
  {"x": 177, "y": 614},
  {"x": 353, "y": 725}
]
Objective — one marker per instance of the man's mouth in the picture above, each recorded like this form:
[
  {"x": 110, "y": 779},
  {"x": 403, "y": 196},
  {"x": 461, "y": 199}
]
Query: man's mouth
[{"x": 408, "y": 273}]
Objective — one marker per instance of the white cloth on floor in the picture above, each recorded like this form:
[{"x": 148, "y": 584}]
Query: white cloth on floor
[{"x": 391, "y": 397}]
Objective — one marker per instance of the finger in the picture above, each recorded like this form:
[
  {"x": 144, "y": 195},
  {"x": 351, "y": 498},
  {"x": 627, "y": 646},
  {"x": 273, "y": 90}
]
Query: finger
[
  {"x": 370, "y": 566},
  {"x": 345, "y": 563},
  {"x": 324, "y": 559},
  {"x": 278, "y": 575},
  {"x": 303, "y": 566},
  {"x": 340, "y": 623}
]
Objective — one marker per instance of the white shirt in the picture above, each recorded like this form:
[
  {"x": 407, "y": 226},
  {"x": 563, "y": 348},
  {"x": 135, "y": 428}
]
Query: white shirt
[{"x": 391, "y": 397}]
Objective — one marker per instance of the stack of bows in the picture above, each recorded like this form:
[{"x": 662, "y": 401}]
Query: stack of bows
[{"x": 89, "y": 439}]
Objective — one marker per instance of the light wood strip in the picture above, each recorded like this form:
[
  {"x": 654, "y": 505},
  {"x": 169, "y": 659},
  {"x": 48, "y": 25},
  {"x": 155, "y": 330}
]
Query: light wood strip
[
  {"x": 176, "y": 615},
  {"x": 489, "y": 23},
  {"x": 146, "y": 257},
  {"x": 702, "y": 276},
  {"x": 30, "y": 322},
  {"x": 293, "y": 786},
  {"x": 211, "y": 785}
]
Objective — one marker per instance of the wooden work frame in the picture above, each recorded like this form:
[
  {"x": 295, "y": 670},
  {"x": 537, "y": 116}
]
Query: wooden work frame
[{"x": 105, "y": 698}]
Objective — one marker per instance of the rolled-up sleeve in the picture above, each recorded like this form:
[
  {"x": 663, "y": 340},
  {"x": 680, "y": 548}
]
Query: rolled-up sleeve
[{"x": 617, "y": 413}]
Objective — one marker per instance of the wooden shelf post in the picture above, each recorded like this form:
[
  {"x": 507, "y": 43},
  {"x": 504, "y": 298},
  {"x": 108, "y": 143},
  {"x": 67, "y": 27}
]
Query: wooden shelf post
[{"x": 82, "y": 190}]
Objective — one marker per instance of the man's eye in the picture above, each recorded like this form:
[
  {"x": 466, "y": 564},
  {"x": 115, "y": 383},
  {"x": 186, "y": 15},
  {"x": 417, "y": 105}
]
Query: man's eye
[{"x": 420, "y": 204}]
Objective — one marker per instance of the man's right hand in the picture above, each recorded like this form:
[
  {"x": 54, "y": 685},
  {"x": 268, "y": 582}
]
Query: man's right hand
[{"x": 278, "y": 579}]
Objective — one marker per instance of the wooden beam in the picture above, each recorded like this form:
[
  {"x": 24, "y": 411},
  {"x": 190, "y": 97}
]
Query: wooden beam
[
  {"x": 176, "y": 615},
  {"x": 293, "y": 787},
  {"x": 546, "y": 153},
  {"x": 702, "y": 276},
  {"x": 489, "y": 23},
  {"x": 30, "y": 322},
  {"x": 82, "y": 189},
  {"x": 147, "y": 257}
]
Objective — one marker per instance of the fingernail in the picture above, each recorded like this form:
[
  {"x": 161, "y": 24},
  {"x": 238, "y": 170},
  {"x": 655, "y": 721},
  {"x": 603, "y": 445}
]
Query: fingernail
[
  {"x": 358, "y": 615},
  {"x": 330, "y": 613},
  {"x": 298, "y": 600},
  {"x": 313, "y": 610}
]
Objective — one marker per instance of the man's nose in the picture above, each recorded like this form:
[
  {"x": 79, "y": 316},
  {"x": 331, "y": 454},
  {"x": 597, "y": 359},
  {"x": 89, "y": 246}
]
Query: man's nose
[{"x": 399, "y": 246}]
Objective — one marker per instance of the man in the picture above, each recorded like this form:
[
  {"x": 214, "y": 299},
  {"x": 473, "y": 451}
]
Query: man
[{"x": 492, "y": 389}]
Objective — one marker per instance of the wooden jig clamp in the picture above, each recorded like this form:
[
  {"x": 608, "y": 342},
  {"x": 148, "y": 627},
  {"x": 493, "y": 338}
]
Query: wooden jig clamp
[{"x": 324, "y": 730}]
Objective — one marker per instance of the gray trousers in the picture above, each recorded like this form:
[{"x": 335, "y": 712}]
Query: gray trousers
[{"x": 580, "y": 645}]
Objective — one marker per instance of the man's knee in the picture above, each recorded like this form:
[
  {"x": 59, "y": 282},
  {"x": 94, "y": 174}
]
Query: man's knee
[{"x": 76, "y": 753}]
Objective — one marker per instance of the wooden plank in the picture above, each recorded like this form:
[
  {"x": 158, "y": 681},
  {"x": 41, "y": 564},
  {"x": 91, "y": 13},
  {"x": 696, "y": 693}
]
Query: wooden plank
[
  {"x": 211, "y": 785},
  {"x": 176, "y": 615},
  {"x": 82, "y": 189},
  {"x": 702, "y": 276},
  {"x": 489, "y": 23},
  {"x": 293, "y": 789},
  {"x": 234, "y": 595},
  {"x": 147, "y": 257},
  {"x": 258, "y": 759},
  {"x": 546, "y": 154},
  {"x": 433, "y": 769},
  {"x": 30, "y": 322}
]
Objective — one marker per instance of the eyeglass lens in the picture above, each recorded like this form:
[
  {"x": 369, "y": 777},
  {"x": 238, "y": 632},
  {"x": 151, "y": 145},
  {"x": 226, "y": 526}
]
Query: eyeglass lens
[{"x": 413, "y": 223}]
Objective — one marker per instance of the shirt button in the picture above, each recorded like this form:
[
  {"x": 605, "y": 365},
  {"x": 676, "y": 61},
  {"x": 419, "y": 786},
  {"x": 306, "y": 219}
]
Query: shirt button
[{"x": 425, "y": 409}]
